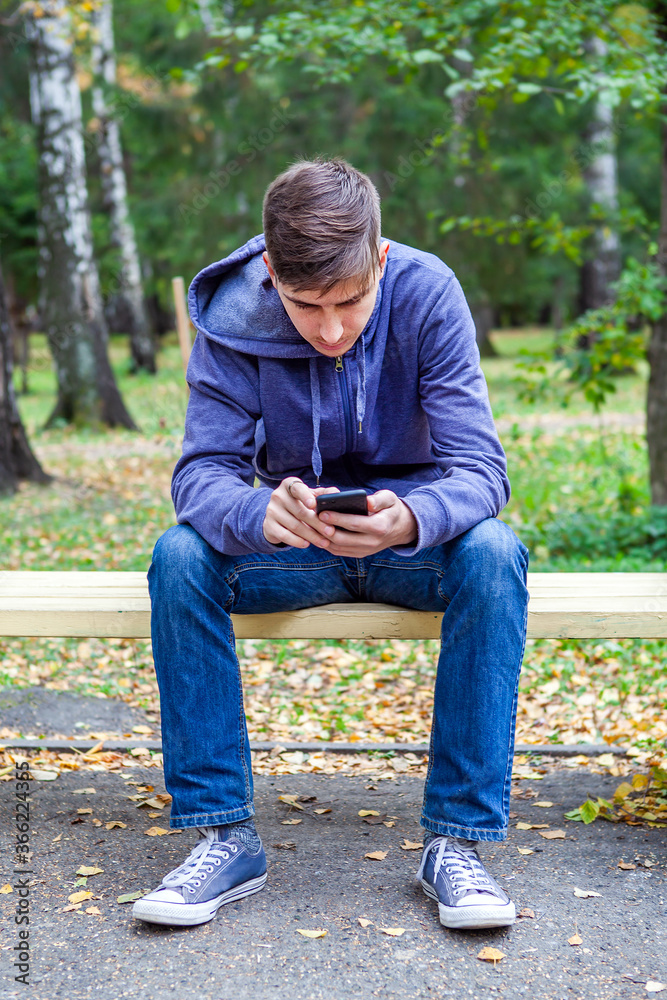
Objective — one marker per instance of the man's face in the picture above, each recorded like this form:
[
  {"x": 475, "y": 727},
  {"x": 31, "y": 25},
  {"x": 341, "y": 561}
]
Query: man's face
[{"x": 331, "y": 323}]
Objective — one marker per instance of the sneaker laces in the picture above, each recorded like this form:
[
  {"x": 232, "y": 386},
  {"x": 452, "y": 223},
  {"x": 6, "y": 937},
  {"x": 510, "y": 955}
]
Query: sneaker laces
[
  {"x": 466, "y": 871},
  {"x": 204, "y": 858}
]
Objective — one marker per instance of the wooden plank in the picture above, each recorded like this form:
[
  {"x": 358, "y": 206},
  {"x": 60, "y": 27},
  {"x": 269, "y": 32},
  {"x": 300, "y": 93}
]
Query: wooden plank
[{"x": 116, "y": 604}]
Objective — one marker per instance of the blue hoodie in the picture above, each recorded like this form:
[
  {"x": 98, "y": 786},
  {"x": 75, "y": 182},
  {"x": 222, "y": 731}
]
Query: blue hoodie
[{"x": 405, "y": 409}]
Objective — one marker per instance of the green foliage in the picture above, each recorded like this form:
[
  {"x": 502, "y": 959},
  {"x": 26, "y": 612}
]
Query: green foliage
[
  {"x": 602, "y": 343},
  {"x": 590, "y": 810}
]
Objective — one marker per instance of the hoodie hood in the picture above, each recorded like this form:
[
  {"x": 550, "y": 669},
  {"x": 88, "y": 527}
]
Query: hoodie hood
[{"x": 233, "y": 302}]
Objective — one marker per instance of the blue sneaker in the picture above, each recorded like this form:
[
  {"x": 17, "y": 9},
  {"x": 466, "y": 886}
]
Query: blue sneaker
[
  {"x": 216, "y": 872},
  {"x": 452, "y": 874}
]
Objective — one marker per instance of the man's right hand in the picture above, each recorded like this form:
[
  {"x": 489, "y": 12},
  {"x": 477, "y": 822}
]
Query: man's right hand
[{"x": 291, "y": 517}]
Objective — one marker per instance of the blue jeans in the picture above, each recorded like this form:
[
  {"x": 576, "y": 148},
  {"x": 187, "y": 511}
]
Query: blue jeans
[{"x": 477, "y": 579}]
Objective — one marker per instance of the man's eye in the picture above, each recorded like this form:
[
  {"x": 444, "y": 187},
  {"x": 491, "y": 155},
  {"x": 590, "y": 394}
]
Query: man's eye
[{"x": 301, "y": 305}]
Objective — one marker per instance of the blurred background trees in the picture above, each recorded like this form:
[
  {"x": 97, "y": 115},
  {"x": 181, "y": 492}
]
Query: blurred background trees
[{"x": 519, "y": 142}]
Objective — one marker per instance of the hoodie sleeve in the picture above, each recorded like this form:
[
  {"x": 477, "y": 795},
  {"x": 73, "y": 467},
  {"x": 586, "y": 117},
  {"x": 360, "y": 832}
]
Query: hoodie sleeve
[
  {"x": 454, "y": 395},
  {"x": 212, "y": 484}
]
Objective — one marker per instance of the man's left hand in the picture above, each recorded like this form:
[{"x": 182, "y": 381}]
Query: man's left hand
[{"x": 389, "y": 522}]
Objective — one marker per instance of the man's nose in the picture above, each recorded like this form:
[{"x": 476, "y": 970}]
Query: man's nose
[{"x": 331, "y": 329}]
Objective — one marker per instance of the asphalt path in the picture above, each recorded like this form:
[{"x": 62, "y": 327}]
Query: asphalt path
[{"x": 320, "y": 879}]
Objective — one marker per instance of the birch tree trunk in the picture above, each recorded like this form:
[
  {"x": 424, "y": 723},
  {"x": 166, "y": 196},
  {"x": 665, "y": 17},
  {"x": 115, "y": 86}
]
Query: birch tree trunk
[
  {"x": 128, "y": 298},
  {"x": 71, "y": 304},
  {"x": 600, "y": 174},
  {"x": 17, "y": 460}
]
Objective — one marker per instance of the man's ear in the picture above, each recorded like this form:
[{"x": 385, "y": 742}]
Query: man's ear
[
  {"x": 272, "y": 273},
  {"x": 384, "y": 250}
]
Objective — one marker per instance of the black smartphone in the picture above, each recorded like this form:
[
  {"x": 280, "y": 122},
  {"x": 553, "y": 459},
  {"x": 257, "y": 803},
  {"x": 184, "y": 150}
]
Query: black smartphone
[{"x": 345, "y": 502}]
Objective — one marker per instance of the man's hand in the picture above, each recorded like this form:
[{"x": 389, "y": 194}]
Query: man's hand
[
  {"x": 389, "y": 522},
  {"x": 291, "y": 518}
]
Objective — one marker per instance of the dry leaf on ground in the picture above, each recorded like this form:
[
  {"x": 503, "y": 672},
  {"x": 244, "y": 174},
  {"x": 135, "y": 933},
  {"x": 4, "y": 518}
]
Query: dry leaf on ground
[
  {"x": 377, "y": 855},
  {"x": 84, "y": 812},
  {"x": 78, "y": 897},
  {"x": 363, "y": 922},
  {"x": 653, "y": 986},
  {"x": 586, "y": 893},
  {"x": 531, "y": 826},
  {"x": 526, "y": 912},
  {"x": 552, "y": 834},
  {"x": 411, "y": 845},
  {"x": 287, "y": 845},
  {"x": 368, "y": 812},
  {"x": 115, "y": 822},
  {"x": 84, "y": 791},
  {"x": 393, "y": 931},
  {"x": 491, "y": 955},
  {"x": 291, "y": 822},
  {"x": 311, "y": 934},
  {"x": 574, "y": 940},
  {"x": 95, "y": 910},
  {"x": 156, "y": 831},
  {"x": 627, "y": 866},
  {"x": 321, "y": 812},
  {"x": 89, "y": 870},
  {"x": 544, "y": 805},
  {"x": 525, "y": 850},
  {"x": 6, "y": 888},
  {"x": 129, "y": 897}
]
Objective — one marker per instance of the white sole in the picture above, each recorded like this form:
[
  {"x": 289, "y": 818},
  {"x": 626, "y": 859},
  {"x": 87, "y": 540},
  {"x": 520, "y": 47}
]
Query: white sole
[
  {"x": 189, "y": 914},
  {"x": 472, "y": 917}
]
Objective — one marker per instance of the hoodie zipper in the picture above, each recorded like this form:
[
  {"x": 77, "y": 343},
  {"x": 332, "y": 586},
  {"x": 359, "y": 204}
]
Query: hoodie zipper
[{"x": 346, "y": 403}]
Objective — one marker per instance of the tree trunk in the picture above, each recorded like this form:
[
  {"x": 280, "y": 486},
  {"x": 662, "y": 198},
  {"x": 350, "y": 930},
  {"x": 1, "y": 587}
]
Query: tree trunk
[
  {"x": 600, "y": 174},
  {"x": 71, "y": 305},
  {"x": 17, "y": 460},
  {"x": 128, "y": 298},
  {"x": 656, "y": 398}
]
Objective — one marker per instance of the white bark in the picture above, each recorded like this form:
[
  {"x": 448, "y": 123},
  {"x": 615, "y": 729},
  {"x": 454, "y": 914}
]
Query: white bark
[
  {"x": 600, "y": 174},
  {"x": 128, "y": 296},
  {"x": 71, "y": 304}
]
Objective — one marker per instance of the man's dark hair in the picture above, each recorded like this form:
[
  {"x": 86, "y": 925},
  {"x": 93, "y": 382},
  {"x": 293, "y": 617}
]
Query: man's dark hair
[{"x": 322, "y": 225}]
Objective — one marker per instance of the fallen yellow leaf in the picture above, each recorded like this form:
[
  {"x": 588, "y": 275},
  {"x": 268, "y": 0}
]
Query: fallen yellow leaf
[
  {"x": 585, "y": 893},
  {"x": 532, "y": 826},
  {"x": 6, "y": 888},
  {"x": 311, "y": 934},
  {"x": 368, "y": 812},
  {"x": 290, "y": 800},
  {"x": 56, "y": 839},
  {"x": 94, "y": 910},
  {"x": 156, "y": 831},
  {"x": 652, "y": 986},
  {"x": 574, "y": 940},
  {"x": 525, "y": 850},
  {"x": 84, "y": 791},
  {"x": 87, "y": 870},
  {"x": 73, "y": 906},
  {"x": 411, "y": 845},
  {"x": 552, "y": 834},
  {"x": 321, "y": 812},
  {"x": 146, "y": 730},
  {"x": 114, "y": 822},
  {"x": 393, "y": 931},
  {"x": 363, "y": 922},
  {"x": 526, "y": 912},
  {"x": 627, "y": 866},
  {"x": 544, "y": 805},
  {"x": 377, "y": 855},
  {"x": 83, "y": 812},
  {"x": 491, "y": 955},
  {"x": 291, "y": 822},
  {"x": 78, "y": 897}
]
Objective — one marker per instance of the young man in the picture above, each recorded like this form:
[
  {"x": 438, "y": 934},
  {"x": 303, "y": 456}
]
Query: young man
[{"x": 328, "y": 358}]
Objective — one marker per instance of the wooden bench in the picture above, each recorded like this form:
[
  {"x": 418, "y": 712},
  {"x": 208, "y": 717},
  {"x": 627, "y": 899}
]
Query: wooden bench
[{"x": 562, "y": 605}]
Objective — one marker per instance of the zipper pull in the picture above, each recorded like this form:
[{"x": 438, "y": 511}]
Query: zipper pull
[{"x": 339, "y": 363}]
